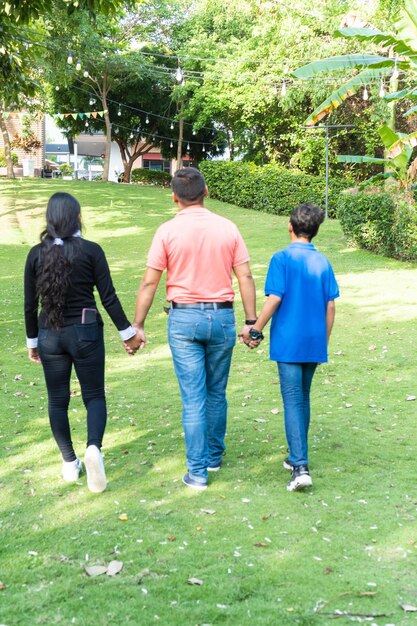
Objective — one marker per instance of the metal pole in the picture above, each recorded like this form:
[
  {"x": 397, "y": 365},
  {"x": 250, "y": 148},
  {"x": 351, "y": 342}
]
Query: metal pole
[{"x": 326, "y": 214}]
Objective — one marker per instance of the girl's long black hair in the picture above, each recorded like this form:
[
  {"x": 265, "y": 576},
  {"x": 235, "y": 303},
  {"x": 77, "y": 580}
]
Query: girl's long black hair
[{"x": 63, "y": 220}]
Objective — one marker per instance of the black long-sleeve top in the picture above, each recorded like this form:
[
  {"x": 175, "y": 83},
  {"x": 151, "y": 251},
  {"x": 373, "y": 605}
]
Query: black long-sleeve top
[{"x": 89, "y": 269}]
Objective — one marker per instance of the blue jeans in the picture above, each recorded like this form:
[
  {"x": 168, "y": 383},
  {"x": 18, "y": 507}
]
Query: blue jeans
[
  {"x": 201, "y": 343},
  {"x": 295, "y": 381},
  {"x": 80, "y": 345}
]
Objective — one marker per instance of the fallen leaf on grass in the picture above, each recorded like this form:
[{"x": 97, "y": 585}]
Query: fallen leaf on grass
[
  {"x": 96, "y": 570},
  {"x": 409, "y": 608},
  {"x": 114, "y": 568},
  {"x": 172, "y": 538},
  {"x": 327, "y": 570},
  {"x": 19, "y": 393},
  {"x": 208, "y": 511},
  {"x": 260, "y": 420},
  {"x": 409, "y": 398},
  {"x": 123, "y": 517},
  {"x": 275, "y": 411},
  {"x": 261, "y": 545},
  {"x": 2, "y": 586},
  {"x": 141, "y": 575},
  {"x": 194, "y": 581},
  {"x": 18, "y": 377},
  {"x": 265, "y": 517}
]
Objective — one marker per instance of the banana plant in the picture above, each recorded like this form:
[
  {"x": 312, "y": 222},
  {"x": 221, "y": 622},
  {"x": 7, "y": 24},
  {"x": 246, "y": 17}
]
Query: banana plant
[
  {"x": 398, "y": 165},
  {"x": 376, "y": 67}
]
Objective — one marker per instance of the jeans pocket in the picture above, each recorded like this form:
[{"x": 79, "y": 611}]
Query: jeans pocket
[
  {"x": 86, "y": 333},
  {"x": 182, "y": 331},
  {"x": 229, "y": 331}
]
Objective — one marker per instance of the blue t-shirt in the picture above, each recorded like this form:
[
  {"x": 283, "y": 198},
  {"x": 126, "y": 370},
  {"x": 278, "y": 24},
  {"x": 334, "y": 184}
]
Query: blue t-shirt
[{"x": 304, "y": 280}]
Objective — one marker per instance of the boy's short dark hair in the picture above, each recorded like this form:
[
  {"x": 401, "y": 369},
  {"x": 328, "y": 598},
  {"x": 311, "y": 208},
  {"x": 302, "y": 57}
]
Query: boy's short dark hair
[
  {"x": 189, "y": 185},
  {"x": 306, "y": 219}
]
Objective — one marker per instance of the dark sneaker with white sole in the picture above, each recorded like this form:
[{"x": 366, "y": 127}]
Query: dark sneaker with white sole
[
  {"x": 214, "y": 468},
  {"x": 194, "y": 484},
  {"x": 300, "y": 479},
  {"x": 287, "y": 465}
]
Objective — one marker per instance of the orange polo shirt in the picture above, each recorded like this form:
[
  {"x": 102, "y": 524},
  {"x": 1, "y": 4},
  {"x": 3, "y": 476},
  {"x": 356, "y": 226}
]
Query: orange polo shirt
[{"x": 198, "y": 249}]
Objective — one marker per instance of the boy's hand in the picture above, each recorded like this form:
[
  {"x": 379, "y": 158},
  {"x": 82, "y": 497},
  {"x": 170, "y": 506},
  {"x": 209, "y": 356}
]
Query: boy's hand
[{"x": 34, "y": 355}]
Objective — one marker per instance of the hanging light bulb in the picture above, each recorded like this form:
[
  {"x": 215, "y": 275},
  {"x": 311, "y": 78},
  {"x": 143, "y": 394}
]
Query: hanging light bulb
[
  {"x": 85, "y": 74},
  {"x": 69, "y": 59},
  {"x": 56, "y": 87},
  {"x": 92, "y": 101},
  {"x": 194, "y": 132},
  {"x": 283, "y": 88},
  {"x": 119, "y": 111},
  {"x": 365, "y": 95},
  {"x": 204, "y": 148},
  {"x": 78, "y": 66},
  {"x": 188, "y": 146},
  {"x": 382, "y": 90},
  {"x": 147, "y": 120},
  {"x": 86, "y": 124},
  {"x": 131, "y": 136},
  {"x": 171, "y": 145},
  {"x": 172, "y": 126},
  {"x": 179, "y": 75},
  {"x": 116, "y": 130}
]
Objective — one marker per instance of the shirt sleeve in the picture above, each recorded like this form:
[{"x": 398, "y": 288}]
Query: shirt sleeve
[
  {"x": 333, "y": 286},
  {"x": 157, "y": 255},
  {"x": 241, "y": 254},
  {"x": 31, "y": 301},
  {"x": 275, "y": 278},
  {"x": 107, "y": 292}
]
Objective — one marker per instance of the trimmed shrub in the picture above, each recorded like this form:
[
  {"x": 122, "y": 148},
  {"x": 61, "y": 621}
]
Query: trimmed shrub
[
  {"x": 269, "y": 188},
  {"x": 151, "y": 177},
  {"x": 367, "y": 220},
  {"x": 3, "y": 162},
  {"x": 405, "y": 232}
]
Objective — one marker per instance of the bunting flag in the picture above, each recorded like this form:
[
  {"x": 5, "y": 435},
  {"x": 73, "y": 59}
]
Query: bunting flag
[{"x": 80, "y": 115}]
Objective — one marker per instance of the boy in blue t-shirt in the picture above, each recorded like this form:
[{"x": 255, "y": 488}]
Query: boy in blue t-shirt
[{"x": 300, "y": 288}]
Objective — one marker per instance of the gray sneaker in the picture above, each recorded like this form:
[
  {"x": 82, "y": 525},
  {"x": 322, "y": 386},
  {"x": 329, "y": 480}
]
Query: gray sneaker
[{"x": 94, "y": 465}]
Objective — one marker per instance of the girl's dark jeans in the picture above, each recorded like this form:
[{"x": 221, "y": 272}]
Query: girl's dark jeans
[{"x": 83, "y": 346}]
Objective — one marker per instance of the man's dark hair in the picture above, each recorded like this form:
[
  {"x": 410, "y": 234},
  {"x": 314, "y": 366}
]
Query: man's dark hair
[
  {"x": 189, "y": 185},
  {"x": 306, "y": 219}
]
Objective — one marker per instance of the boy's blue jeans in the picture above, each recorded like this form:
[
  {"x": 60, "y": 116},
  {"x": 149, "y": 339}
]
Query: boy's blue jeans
[
  {"x": 295, "y": 381},
  {"x": 201, "y": 343}
]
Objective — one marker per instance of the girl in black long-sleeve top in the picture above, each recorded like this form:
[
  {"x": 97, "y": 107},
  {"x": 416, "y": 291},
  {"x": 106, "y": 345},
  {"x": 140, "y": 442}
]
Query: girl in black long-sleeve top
[{"x": 60, "y": 275}]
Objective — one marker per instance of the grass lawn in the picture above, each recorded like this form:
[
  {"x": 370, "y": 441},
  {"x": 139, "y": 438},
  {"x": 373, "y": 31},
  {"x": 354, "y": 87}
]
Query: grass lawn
[{"x": 265, "y": 556}]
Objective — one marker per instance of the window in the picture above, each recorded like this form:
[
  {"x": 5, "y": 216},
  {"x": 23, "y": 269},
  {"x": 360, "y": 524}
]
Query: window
[{"x": 163, "y": 165}]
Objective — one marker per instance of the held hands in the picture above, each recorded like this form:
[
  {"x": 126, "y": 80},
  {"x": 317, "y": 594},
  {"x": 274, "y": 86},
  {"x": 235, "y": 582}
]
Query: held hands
[
  {"x": 34, "y": 355},
  {"x": 246, "y": 339},
  {"x": 137, "y": 342}
]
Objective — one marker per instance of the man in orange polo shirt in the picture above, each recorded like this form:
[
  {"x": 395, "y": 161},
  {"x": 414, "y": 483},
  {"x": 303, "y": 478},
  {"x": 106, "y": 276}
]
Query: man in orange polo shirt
[{"x": 199, "y": 250}]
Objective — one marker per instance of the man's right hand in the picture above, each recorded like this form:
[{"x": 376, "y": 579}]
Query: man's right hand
[{"x": 137, "y": 342}]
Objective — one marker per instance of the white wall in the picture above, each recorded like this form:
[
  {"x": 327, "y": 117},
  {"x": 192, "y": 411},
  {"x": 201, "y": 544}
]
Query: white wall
[{"x": 116, "y": 165}]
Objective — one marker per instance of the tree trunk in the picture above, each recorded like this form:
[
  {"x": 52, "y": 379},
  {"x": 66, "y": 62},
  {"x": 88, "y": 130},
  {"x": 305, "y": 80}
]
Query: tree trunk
[
  {"x": 180, "y": 137},
  {"x": 231, "y": 145},
  {"x": 7, "y": 147},
  {"x": 106, "y": 167}
]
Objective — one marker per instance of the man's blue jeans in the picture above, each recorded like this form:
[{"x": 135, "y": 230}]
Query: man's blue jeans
[
  {"x": 201, "y": 343},
  {"x": 295, "y": 381}
]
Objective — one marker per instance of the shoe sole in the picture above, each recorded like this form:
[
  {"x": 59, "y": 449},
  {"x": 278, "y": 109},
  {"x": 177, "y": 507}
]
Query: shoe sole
[
  {"x": 96, "y": 475},
  {"x": 213, "y": 469},
  {"x": 301, "y": 483},
  {"x": 196, "y": 486}
]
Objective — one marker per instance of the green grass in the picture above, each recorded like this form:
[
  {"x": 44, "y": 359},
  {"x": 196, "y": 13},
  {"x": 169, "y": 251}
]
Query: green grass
[{"x": 355, "y": 532}]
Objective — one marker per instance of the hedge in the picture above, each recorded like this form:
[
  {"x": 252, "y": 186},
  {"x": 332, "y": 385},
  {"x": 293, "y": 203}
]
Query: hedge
[
  {"x": 151, "y": 177},
  {"x": 379, "y": 223},
  {"x": 268, "y": 188},
  {"x": 3, "y": 162}
]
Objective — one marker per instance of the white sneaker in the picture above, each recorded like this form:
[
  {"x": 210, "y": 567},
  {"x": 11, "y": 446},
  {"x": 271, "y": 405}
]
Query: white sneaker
[
  {"x": 94, "y": 465},
  {"x": 71, "y": 470}
]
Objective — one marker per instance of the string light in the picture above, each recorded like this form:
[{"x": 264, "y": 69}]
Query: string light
[
  {"x": 194, "y": 132},
  {"x": 69, "y": 59},
  {"x": 171, "y": 145},
  {"x": 382, "y": 90},
  {"x": 86, "y": 124},
  {"x": 365, "y": 95},
  {"x": 172, "y": 126},
  {"x": 92, "y": 101},
  {"x": 188, "y": 146},
  {"x": 131, "y": 136},
  {"x": 119, "y": 111},
  {"x": 179, "y": 77},
  {"x": 86, "y": 74},
  {"x": 78, "y": 66},
  {"x": 56, "y": 87},
  {"x": 203, "y": 148},
  {"x": 147, "y": 120},
  {"x": 283, "y": 88}
]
